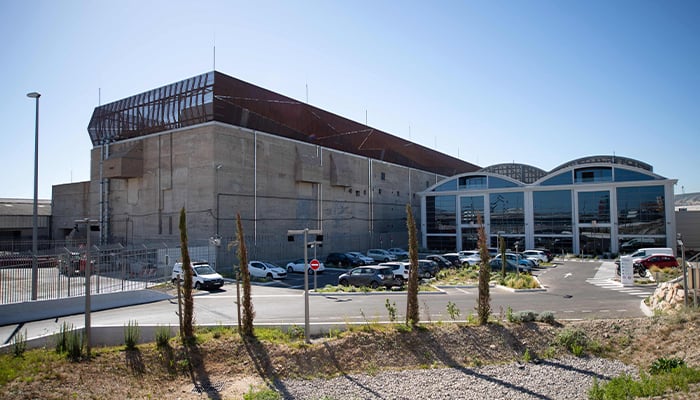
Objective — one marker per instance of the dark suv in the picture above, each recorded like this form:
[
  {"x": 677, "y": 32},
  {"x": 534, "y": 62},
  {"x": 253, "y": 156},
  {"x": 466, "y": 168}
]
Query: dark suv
[
  {"x": 369, "y": 276},
  {"x": 342, "y": 260}
]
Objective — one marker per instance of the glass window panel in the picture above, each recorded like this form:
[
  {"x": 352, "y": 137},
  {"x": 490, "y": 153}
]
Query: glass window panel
[
  {"x": 641, "y": 210},
  {"x": 593, "y": 175},
  {"x": 443, "y": 244},
  {"x": 472, "y": 182},
  {"x": 441, "y": 215},
  {"x": 561, "y": 179},
  {"x": 471, "y": 206},
  {"x": 594, "y": 206},
  {"x": 552, "y": 212},
  {"x": 628, "y": 244},
  {"x": 507, "y": 212},
  {"x": 512, "y": 243},
  {"x": 558, "y": 245},
  {"x": 447, "y": 186},
  {"x": 470, "y": 238},
  {"x": 594, "y": 241},
  {"x": 625, "y": 175},
  {"x": 496, "y": 183}
]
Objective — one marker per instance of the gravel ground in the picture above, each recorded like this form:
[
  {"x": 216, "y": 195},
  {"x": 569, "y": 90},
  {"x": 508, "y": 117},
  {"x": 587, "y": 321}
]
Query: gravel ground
[{"x": 568, "y": 378}]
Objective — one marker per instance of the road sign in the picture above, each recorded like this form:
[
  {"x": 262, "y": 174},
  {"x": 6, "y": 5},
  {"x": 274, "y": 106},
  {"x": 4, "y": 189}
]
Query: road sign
[{"x": 314, "y": 264}]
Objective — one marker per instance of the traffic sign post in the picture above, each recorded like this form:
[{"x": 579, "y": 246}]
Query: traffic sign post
[
  {"x": 315, "y": 265},
  {"x": 290, "y": 237}
]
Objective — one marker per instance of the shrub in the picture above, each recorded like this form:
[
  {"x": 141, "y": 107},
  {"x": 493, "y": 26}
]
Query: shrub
[
  {"x": 546, "y": 317},
  {"x": 574, "y": 340},
  {"x": 162, "y": 336},
  {"x": 74, "y": 345},
  {"x": 665, "y": 365},
  {"x": 131, "y": 334}
]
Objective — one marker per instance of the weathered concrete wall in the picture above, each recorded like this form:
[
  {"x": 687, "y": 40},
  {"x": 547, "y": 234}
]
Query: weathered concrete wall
[
  {"x": 216, "y": 171},
  {"x": 70, "y": 202}
]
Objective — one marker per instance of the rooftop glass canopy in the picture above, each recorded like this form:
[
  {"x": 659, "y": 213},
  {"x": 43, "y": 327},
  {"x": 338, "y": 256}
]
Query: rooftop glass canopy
[{"x": 217, "y": 97}]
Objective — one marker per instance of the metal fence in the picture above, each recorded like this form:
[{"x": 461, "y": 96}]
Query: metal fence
[
  {"x": 116, "y": 267},
  {"x": 113, "y": 268}
]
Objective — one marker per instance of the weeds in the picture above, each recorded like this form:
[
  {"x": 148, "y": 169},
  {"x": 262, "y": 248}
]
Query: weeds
[
  {"x": 391, "y": 308},
  {"x": 527, "y": 357},
  {"x": 19, "y": 344},
  {"x": 677, "y": 379},
  {"x": 261, "y": 394},
  {"x": 452, "y": 310}
]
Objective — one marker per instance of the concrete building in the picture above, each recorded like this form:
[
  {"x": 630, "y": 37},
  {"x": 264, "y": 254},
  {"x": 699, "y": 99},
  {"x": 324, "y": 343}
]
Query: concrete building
[
  {"x": 219, "y": 147},
  {"x": 599, "y": 205},
  {"x": 16, "y": 223}
]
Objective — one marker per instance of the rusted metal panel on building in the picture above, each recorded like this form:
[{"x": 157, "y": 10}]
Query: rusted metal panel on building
[{"x": 218, "y": 97}]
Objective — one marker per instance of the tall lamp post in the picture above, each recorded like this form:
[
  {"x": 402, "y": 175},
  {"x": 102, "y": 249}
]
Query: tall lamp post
[{"x": 35, "y": 223}]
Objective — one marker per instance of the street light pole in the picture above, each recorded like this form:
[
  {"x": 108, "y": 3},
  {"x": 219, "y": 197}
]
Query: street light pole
[{"x": 35, "y": 222}]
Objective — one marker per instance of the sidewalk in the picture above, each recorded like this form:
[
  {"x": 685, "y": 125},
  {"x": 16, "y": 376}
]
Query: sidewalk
[{"x": 44, "y": 309}]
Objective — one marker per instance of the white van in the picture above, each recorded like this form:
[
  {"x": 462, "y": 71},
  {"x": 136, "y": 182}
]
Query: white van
[
  {"x": 647, "y": 251},
  {"x": 203, "y": 276}
]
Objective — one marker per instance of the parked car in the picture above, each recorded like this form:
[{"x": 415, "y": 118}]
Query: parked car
[
  {"x": 469, "y": 258},
  {"x": 298, "y": 266},
  {"x": 658, "y": 260},
  {"x": 343, "y": 260},
  {"x": 535, "y": 261},
  {"x": 369, "y": 276},
  {"x": 539, "y": 254},
  {"x": 380, "y": 255},
  {"x": 548, "y": 252},
  {"x": 399, "y": 253},
  {"x": 524, "y": 264},
  {"x": 400, "y": 270},
  {"x": 427, "y": 269},
  {"x": 261, "y": 269},
  {"x": 203, "y": 276},
  {"x": 511, "y": 266},
  {"x": 365, "y": 259},
  {"x": 453, "y": 258},
  {"x": 441, "y": 261}
]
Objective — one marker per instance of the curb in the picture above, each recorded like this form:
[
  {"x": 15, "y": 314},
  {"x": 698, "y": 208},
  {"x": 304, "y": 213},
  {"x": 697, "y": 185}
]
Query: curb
[{"x": 380, "y": 293}]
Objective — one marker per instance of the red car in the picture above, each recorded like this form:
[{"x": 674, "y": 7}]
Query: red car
[{"x": 658, "y": 260}]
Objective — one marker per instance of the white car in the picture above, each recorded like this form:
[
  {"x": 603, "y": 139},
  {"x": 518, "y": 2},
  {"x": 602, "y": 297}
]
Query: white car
[
  {"x": 298, "y": 266},
  {"x": 536, "y": 254},
  {"x": 366, "y": 260},
  {"x": 469, "y": 258},
  {"x": 203, "y": 276},
  {"x": 380, "y": 255},
  {"x": 261, "y": 269},
  {"x": 400, "y": 270}
]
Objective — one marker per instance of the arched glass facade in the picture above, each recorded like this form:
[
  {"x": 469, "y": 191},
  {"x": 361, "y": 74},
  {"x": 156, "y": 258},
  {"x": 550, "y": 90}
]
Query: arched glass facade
[{"x": 596, "y": 206}]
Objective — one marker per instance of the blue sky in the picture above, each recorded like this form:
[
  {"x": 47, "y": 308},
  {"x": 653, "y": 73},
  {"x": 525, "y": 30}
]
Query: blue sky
[{"x": 533, "y": 82}]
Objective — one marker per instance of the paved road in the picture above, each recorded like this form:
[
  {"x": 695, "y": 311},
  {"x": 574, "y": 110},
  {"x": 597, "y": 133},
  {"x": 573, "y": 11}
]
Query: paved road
[{"x": 574, "y": 290}]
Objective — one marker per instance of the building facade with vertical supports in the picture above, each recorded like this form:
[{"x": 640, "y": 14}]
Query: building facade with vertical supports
[
  {"x": 219, "y": 147},
  {"x": 598, "y": 206}
]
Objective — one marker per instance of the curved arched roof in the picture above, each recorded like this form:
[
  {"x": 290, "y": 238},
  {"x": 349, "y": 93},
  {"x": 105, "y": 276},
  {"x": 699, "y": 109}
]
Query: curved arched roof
[
  {"x": 607, "y": 160},
  {"x": 520, "y": 172}
]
